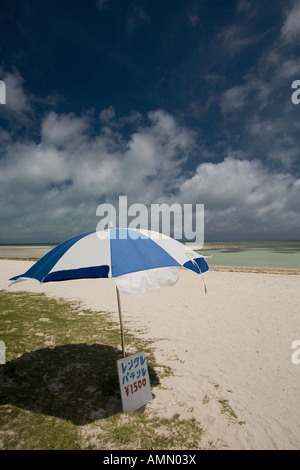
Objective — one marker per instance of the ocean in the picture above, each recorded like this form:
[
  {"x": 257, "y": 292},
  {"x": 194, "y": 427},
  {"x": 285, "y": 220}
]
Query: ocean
[{"x": 266, "y": 254}]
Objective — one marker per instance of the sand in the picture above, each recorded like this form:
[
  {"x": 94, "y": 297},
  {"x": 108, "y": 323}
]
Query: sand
[{"x": 230, "y": 350}]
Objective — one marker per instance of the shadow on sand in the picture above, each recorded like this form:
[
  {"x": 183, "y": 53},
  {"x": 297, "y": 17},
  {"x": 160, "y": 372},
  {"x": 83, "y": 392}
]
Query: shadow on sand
[{"x": 76, "y": 382}]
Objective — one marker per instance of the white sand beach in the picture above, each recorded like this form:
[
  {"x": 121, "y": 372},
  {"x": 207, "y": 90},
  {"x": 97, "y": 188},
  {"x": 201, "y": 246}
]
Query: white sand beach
[{"x": 230, "y": 350}]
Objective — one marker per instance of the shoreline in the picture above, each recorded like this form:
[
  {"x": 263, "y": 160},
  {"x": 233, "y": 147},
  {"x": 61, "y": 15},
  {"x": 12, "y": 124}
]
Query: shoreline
[
  {"x": 217, "y": 268},
  {"x": 255, "y": 269}
]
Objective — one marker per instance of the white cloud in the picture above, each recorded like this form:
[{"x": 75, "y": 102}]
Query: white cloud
[
  {"x": 235, "y": 98},
  {"x": 61, "y": 130},
  {"x": 289, "y": 68},
  {"x": 64, "y": 176},
  {"x": 290, "y": 31},
  {"x": 235, "y": 38},
  {"x": 18, "y": 107},
  {"x": 257, "y": 109},
  {"x": 107, "y": 114},
  {"x": 252, "y": 94},
  {"x": 50, "y": 187},
  {"x": 244, "y": 197},
  {"x": 50, "y": 190}
]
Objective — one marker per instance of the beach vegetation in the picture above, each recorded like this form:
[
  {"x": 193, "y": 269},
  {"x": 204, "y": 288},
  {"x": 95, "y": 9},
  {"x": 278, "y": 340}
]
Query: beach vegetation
[
  {"x": 59, "y": 385},
  {"x": 227, "y": 409}
]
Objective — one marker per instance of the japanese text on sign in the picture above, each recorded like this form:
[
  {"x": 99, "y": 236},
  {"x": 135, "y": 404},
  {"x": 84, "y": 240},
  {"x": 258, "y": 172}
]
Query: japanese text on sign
[{"x": 134, "y": 381}]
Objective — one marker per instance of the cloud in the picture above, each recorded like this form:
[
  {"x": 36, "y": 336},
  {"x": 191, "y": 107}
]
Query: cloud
[
  {"x": 251, "y": 96},
  {"x": 289, "y": 69},
  {"x": 136, "y": 18},
  {"x": 50, "y": 188},
  {"x": 62, "y": 177},
  {"x": 290, "y": 31},
  {"x": 243, "y": 6},
  {"x": 107, "y": 114},
  {"x": 244, "y": 198},
  {"x": 257, "y": 110},
  {"x": 235, "y": 98},
  {"x": 18, "y": 108},
  {"x": 102, "y": 4},
  {"x": 235, "y": 38},
  {"x": 193, "y": 19},
  {"x": 21, "y": 105},
  {"x": 53, "y": 179},
  {"x": 63, "y": 130}
]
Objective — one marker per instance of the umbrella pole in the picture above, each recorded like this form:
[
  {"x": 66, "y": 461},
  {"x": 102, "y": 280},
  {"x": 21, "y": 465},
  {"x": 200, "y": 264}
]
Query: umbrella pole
[{"x": 121, "y": 322}]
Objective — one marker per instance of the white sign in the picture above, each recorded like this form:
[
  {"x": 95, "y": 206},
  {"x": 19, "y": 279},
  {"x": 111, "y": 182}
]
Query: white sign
[
  {"x": 2, "y": 352},
  {"x": 134, "y": 381}
]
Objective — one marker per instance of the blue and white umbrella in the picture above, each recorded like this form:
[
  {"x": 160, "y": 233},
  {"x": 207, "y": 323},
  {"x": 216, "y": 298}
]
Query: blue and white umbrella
[{"x": 137, "y": 260}]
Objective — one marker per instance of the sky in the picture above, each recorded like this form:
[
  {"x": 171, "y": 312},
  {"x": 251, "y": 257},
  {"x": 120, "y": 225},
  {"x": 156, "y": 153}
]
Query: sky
[{"x": 163, "y": 101}]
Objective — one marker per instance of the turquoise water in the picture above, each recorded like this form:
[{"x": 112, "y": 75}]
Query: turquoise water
[{"x": 267, "y": 254}]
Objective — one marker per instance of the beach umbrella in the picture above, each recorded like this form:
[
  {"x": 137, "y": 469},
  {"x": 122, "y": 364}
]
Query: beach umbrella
[{"x": 137, "y": 260}]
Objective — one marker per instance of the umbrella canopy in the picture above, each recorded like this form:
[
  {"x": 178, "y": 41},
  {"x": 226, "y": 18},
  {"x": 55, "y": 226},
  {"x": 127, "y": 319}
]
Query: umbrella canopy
[{"x": 137, "y": 260}]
